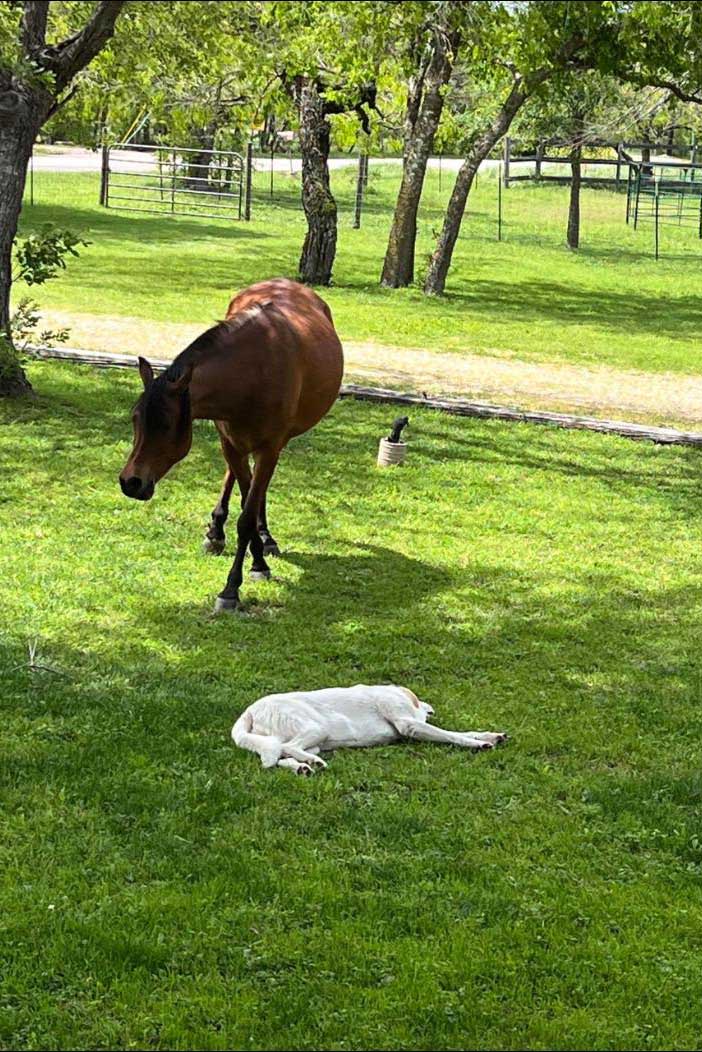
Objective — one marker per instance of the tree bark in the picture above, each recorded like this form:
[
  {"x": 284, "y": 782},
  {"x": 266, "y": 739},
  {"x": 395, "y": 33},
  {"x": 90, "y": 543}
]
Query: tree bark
[
  {"x": 24, "y": 107},
  {"x": 20, "y": 119},
  {"x": 425, "y": 102},
  {"x": 441, "y": 259},
  {"x": 319, "y": 249},
  {"x": 573, "y": 232}
]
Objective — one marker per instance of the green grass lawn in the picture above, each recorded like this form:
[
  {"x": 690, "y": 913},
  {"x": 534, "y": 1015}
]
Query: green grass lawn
[
  {"x": 160, "y": 890},
  {"x": 528, "y": 296}
]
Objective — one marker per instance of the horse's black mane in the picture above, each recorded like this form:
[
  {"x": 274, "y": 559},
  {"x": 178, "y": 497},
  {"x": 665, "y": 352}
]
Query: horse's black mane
[{"x": 156, "y": 408}]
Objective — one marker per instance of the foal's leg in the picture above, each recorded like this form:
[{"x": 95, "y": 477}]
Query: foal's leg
[
  {"x": 247, "y": 532},
  {"x": 270, "y": 545},
  {"x": 425, "y": 732}
]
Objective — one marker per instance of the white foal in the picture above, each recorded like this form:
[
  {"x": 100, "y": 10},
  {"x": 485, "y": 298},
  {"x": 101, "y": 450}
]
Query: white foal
[{"x": 290, "y": 730}]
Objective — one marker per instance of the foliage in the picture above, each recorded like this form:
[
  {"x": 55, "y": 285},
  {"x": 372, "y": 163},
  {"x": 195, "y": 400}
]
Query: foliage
[
  {"x": 25, "y": 331},
  {"x": 42, "y": 255},
  {"x": 160, "y": 890}
]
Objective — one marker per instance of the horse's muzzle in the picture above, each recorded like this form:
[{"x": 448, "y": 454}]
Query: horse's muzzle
[{"x": 135, "y": 488}]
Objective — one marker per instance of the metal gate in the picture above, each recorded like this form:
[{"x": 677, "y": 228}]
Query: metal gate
[{"x": 173, "y": 180}]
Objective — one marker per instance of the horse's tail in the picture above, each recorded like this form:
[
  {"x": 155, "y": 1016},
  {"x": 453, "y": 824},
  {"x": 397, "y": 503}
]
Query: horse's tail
[{"x": 269, "y": 748}]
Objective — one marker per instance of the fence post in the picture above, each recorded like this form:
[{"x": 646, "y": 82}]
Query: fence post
[
  {"x": 539, "y": 159},
  {"x": 272, "y": 162},
  {"x": 619, "y": 166},
  {"x": 507, "y": 155},
  {"x": 656, "y": 199},
  {"x": 249, "y": 169},
  {"x": 104, "y": 169},
  {"x": 360, "y": 182},
  {"x": 174, "y": 163},
  {"x": 499, "y": 206}
]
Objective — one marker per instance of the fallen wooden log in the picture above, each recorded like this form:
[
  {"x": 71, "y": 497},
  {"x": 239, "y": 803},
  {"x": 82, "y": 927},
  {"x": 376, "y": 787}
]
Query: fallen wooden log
[{"x": 457, "y": 406}]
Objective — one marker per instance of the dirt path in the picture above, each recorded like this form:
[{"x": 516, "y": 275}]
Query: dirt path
[{"x": 659, "y": 398}]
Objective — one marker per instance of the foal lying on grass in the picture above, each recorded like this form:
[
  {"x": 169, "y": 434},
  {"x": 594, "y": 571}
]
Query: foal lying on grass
[{"x": 290, "y": 730}]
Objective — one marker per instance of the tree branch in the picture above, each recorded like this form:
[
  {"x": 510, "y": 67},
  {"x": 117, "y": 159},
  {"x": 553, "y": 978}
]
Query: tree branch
[
  {"x": 33, "y": 29},
  {"x": 675, "y": 89},
  {"x": 72, "y": 55}
]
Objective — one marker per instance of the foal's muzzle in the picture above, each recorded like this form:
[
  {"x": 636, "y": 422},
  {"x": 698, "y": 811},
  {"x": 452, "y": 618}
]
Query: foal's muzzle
[{"x": 137, "y": 489}]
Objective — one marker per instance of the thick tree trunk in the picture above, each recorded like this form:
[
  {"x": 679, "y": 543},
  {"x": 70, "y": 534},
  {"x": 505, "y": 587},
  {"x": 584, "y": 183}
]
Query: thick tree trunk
[
  {"x": 20, "y": 120},
  {"x": 425, "y": 102},
  {"x": 441, "y": 259},
  {"x": 573, "y": 232},
  {"x": 197, "y": 165},
  {"x": 319, "y": 249}
]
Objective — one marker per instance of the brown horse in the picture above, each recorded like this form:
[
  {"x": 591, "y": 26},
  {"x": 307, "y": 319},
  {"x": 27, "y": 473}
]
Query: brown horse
[{"x": 269, "y": 372}]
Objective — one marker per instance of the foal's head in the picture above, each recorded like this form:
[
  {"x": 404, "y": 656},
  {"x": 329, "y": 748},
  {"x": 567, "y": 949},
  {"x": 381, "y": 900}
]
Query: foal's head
[{"x": 163, "y": 429}]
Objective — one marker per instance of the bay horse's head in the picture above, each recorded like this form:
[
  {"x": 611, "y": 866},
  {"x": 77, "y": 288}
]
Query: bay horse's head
[{"x": 163, "y": 429}]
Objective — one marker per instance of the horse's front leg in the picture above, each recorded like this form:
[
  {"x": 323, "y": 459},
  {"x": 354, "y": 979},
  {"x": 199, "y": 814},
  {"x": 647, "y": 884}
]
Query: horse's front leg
[
  {"x": 238, "y": 470},
  {"x": 247, "y": 534},
  {"x": 214, "y": 540}
]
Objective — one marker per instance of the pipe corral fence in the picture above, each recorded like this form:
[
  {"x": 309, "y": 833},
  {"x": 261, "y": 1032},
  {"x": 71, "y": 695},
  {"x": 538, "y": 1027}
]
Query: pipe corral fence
[
  {"x": 544, "y": 154},
  {"x": 174, "y": 180},
  {"x": 664, "y": 192}
]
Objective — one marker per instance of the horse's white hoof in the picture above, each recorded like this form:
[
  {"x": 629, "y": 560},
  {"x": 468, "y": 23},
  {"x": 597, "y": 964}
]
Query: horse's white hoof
[
  {"x": 259, "y": 575},
  {"x": 226, "y": 606},
  {"x": 211, "y": 547}
]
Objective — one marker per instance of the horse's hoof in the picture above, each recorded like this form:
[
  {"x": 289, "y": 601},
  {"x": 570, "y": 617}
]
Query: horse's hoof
[
  {"x": 226, "y": 606},
  {"x": 271, "y": 548},
  {"x": 212, "y": 547},
  {"x": 259, "y": 575}
]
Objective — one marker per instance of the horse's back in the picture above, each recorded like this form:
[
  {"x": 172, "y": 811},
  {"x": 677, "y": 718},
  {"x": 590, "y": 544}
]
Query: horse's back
[{"x": 309, "y": 364}]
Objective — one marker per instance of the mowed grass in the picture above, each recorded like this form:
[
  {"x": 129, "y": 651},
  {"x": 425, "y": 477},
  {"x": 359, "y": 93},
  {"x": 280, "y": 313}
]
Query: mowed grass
[
  {"x": 527, "y": 296},
  {"x": 160, "y": 890}
]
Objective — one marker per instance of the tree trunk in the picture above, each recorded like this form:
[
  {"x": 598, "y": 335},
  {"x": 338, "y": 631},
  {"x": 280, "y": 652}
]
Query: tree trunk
[
  {"x": 573, "y": 233},
  {"x": 20, "y": 120},
  {"x": 425, "y": 102},
  {"x": 435, "y": 282},
  {"x": 319, "y": 249},
  {"x": 197, "y": 165}
]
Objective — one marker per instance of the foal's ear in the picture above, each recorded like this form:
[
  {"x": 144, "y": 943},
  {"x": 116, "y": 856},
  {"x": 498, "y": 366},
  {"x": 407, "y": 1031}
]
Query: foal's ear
[
  {"x": 146, "y": 372},
  {"x": 183, "y": 380}
]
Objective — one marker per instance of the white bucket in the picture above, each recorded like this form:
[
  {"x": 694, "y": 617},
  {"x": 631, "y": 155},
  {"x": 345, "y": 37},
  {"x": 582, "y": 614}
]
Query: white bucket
[{"x": 391, "y": 453}]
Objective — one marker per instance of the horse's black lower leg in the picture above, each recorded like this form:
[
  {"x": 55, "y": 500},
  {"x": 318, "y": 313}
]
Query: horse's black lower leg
[
  {"x": 214, "y": 538},
  {"x": 270, "y": 545},
  {"x": 247, "y": 534}
]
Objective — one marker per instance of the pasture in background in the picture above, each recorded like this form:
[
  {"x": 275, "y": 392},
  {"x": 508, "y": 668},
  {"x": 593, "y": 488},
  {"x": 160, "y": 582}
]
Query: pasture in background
[{"x": 610, "y": 304}]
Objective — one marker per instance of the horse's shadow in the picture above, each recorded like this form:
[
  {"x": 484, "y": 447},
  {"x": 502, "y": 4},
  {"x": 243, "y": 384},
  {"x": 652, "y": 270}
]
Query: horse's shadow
[{"x": 349, "y": 603}]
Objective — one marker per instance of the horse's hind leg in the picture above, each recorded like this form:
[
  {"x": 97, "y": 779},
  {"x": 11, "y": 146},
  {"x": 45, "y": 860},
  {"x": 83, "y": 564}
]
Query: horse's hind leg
[{"x": 270, "y": 545}]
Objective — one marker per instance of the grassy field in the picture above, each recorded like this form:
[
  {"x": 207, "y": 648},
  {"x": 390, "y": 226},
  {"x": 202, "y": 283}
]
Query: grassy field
[
  {"x": 527, "y": 297},
  {"x": 160, "y": 890}
]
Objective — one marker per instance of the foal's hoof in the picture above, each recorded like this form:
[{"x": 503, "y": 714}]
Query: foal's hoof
[
  {"x": 226, "y": 606},
  {"x": 259, "y": 575},
  {"x": 212, "y": 547},
  {"x": 271, "y": 548}
]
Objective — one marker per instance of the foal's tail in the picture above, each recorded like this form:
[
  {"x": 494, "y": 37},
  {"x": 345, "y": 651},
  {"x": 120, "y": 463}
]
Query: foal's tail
[{"x": 269, "y": 748}]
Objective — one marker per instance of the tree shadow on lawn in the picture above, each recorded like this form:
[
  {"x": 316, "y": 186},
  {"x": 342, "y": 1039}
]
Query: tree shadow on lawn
[
  {"x": 530, "y": 302},
  {"x": 123, "y": 226},
  {"x": 680, "y": 485}
]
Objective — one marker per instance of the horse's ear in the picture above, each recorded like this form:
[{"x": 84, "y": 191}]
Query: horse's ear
[
  {"x": 183, "y": 380},
  {"x": 146, "y": 372}
]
